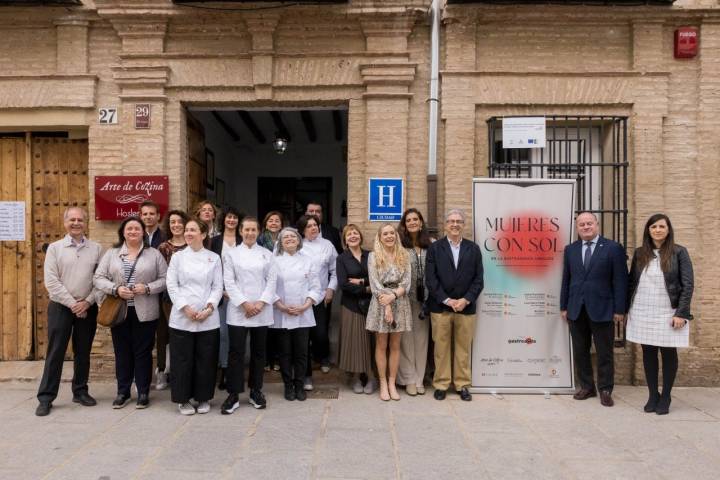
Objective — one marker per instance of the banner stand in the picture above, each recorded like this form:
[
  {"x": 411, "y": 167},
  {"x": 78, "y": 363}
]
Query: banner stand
[{"x": 521, "y": 343}]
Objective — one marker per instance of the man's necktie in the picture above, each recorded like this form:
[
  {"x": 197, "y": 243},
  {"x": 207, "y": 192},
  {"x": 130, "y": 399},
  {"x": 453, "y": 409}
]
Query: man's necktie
[{"x": 588, "y": 254}]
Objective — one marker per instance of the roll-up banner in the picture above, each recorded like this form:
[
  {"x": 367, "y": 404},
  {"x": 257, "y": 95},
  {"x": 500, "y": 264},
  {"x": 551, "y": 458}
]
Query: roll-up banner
[{"x": 521, "y": 343}]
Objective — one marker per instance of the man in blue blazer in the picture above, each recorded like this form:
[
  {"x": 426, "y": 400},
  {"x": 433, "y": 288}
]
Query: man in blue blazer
[
  {"x": 594, "y": 287},
  {"x": 454, "y": 278}
]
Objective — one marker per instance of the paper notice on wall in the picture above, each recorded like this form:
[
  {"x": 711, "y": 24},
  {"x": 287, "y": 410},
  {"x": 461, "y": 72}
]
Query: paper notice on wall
[
  {"x": 523, "y": 132},
  {"x": 12, "y": 221}
]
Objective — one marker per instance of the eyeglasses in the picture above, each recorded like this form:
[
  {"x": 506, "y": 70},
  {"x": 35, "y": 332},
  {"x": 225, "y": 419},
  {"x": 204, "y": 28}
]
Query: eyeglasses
[{"x": 455, "y": 222}]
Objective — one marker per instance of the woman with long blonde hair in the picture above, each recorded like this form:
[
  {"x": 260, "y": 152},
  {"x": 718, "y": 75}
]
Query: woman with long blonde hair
[{"x": 389, "y": 313}]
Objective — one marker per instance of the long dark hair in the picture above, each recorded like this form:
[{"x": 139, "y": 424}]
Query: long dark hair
[
  {"x": 423, "y": 237},
  {"x": 121, "y": 231},
  {"x": 645, "y": 252},
  {"x": 229, "y": 211}
]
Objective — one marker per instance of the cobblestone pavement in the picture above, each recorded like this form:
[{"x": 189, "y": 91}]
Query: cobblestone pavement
[{"x": 358, "y": 436}]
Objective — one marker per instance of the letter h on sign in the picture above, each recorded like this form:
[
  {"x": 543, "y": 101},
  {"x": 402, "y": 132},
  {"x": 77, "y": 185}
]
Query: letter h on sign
[{"x": 385, "y": 199}]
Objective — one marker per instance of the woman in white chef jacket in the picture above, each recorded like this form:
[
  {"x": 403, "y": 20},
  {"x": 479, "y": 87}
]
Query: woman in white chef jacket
[
  {"x": 324, "y": 257},
  {"x": 298, "y": 290},
  {"x": 195, "y": 285},
  {"x": 250, "y": 278}
]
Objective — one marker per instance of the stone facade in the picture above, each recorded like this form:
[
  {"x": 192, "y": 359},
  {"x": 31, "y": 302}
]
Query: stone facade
[{"x": 59, "y": 65}]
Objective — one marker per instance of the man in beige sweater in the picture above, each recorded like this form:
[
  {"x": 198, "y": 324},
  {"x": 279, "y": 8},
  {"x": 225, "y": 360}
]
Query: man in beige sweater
[{"x": 72, "y": 312}]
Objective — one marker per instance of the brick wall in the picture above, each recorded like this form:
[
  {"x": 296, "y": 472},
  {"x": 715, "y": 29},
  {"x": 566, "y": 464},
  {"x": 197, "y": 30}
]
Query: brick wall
[
  {"x": 588, "y": 61},
  {"x": 374, "y": 57}
]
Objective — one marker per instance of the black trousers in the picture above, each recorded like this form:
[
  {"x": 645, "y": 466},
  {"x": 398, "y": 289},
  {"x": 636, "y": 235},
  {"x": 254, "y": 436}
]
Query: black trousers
[
  {"x": 584, "y": 331},
  {"x": 294, "y": 359},
  {"x": 272, "y": 351},
  {"x": 162, "y": 335},
  {"x": 133, "y": 342},
  {"x": 235, "y": 375},
  {"x": 193, "y": 356},
  {"x": 319, "y": 344},
  {"x": 669, "y": 368},
  {"x": 63, "y": 325}
]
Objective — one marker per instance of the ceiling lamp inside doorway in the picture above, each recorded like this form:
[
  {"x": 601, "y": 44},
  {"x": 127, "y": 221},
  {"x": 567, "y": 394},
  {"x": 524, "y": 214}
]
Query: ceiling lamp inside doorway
[{"x": 280, "y": 144}]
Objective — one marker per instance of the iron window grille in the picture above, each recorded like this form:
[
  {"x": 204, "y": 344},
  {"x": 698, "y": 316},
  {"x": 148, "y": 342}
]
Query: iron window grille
[{"x": 589, "y": 149}]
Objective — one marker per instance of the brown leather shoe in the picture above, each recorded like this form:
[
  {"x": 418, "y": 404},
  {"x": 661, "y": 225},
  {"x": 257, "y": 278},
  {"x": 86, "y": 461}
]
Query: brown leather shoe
[
  {"x": 606, "y": 398},
  {"x": 585, "y": 393}
]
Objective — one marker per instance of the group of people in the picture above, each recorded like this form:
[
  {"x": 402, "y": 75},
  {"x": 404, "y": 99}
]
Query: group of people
[{"x": 207, "y": 288}]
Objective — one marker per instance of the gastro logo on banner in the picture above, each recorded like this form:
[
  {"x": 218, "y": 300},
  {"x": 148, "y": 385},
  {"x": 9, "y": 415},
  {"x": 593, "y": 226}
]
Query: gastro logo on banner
[
  {"x": 119, "y": 197},
  {"x": 385, "y": 199},
  {"x": 525, "y": 340}
]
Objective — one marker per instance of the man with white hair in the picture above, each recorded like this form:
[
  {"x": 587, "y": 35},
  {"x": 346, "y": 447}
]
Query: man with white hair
[
  {"x": 454, "y": 278},
  {"x": 72, "y": 312}
]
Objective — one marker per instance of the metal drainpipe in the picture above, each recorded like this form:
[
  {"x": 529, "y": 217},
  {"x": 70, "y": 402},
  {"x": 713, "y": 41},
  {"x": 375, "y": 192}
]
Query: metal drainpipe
[{"x": 432, "y": 200}]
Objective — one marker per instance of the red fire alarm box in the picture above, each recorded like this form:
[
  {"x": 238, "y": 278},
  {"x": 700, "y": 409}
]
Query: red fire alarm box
[{"x": 686, "y": 42}]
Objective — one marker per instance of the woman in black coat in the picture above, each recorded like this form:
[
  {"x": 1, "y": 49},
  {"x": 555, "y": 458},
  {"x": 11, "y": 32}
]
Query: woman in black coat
[
  {"x": 355, "y": 342},
  {"x": 660, "y": 291}
]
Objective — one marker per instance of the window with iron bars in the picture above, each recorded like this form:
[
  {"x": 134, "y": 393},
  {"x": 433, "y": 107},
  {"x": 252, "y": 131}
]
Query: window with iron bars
[{"x": 589, "y": 149}]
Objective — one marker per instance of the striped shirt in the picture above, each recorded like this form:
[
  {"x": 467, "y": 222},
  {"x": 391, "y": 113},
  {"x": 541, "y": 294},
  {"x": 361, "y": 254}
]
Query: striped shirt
[{"x": 127, "y": 266}]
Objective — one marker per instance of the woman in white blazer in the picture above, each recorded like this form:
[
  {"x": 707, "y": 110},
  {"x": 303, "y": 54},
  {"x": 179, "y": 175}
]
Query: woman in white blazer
[
  {"x": 195, "y": 286},
  {"x": 298, "y": 290},
  {"x": 250, "y": 279},
  {"x": 134, "y": 272},
  {"x": 324, "y": 256}
]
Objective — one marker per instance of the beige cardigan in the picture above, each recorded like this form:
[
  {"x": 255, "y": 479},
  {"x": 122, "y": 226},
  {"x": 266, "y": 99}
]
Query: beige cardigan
[{"x": 150, "y": 270}]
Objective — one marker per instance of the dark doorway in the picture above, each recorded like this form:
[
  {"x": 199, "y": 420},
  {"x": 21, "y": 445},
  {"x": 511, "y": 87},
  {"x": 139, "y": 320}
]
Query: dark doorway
[
  {"x": 244, "y": 168},
  {"x": 291, "y": 195}
]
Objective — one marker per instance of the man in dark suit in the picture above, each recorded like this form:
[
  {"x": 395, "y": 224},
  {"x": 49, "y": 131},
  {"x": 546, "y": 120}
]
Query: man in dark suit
[
  {"x": 150, "y": 215},
  {"x": 594, "y": 287},
  {"x": 327, "y": 231},
  {"x": 454, "y": 278}
]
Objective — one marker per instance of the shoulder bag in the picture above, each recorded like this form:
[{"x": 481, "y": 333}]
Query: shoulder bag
[{"x": 113, "y": 310}]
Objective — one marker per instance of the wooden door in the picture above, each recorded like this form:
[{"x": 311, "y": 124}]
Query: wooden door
[
  {"x": 15, "y": 257},
  {"x": 197, "y": 163},
  {"x": 60, "y": 180}
]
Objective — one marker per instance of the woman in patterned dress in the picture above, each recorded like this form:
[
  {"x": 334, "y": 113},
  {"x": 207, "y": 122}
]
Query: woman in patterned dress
[
  {"x": 389, "y": 313},
  {"x": 660, "y": 291}
]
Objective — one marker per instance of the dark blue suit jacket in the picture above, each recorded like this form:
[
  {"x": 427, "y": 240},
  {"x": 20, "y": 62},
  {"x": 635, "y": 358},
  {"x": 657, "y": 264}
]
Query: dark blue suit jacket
[
  {"x": 443, "y": 280},
  {"x": 602, "y": 288}
]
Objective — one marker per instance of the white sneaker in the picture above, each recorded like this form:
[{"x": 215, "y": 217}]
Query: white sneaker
[
  {"x": 370, "y": 386},
  {"x": 186, "y": 408},
  {"x": 160, "y": 380},
  {"x": 325, "y": 367},
  {"x": 357, "y": 386},
  {"x": 203, "y": 407},
  {"x": 308, "y": 384}
]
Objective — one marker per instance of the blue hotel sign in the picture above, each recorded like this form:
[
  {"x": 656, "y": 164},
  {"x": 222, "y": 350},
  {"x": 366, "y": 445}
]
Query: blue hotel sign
[{"x": 385, "y": 199}]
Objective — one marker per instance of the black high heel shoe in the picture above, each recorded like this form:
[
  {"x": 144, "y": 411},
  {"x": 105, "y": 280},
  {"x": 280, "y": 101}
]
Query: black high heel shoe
[
  {"x": 652, "y": 403},
  {"x": 663, "y": 406}
]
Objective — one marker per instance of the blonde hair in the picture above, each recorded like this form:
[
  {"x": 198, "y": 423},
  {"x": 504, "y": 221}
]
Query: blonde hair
[{"x": 382, "y": 260}]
